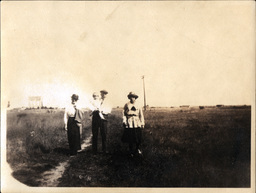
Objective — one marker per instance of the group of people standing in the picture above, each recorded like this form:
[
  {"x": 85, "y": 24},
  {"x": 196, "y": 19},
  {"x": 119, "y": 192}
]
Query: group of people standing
[{"x": 133, "y": 123}]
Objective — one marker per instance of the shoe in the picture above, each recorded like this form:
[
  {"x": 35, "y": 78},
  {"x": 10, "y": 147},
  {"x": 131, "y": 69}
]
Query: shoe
[
  {"x": 72, "y": 154},
  {"x": 139, "y": 152}
]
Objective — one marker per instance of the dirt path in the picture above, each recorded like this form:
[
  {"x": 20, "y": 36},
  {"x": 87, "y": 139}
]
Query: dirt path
[{"x": 51, "y": 177}]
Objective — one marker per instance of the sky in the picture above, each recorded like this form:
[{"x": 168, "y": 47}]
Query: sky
[{"x": 191, "y": 53}]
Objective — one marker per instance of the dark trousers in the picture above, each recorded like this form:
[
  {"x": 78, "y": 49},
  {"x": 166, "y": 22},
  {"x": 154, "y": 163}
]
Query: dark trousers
[{"x": 99, "y": 124}]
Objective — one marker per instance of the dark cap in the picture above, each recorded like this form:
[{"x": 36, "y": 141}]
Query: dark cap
[{"x": 104, "y": 91}]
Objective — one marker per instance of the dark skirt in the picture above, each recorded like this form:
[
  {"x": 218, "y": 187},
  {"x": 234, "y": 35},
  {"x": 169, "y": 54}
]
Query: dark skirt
[
  {"x": 132, "y": 135},
  {"x": 73, "y": 135}
]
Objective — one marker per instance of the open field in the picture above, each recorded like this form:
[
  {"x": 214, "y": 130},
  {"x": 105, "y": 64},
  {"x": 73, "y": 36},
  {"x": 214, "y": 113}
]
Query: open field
[{"x": 182, "y": 147}]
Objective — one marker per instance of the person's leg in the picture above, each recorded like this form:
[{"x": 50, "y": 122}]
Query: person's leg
[
  {"x": 132, "y": 140},
  {"x": 138, "y": 140},
  {"x": 137, "y": 146},
  {"x": 103, "y": 131},
  {"x": 95, "y": 127},
  {"x": 138, "y": 149},
  {"x": 131, "y": 148}
]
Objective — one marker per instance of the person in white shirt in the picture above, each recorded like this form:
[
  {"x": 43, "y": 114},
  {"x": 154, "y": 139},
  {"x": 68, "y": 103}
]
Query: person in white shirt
[
  {"x": 99, "y": 121},
  {"x": 133, "y": 122},
  {"x": 72, "y": 120}
]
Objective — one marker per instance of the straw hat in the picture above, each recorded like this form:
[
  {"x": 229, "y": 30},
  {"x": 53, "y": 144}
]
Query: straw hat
[{"x": 132, "y": 94}]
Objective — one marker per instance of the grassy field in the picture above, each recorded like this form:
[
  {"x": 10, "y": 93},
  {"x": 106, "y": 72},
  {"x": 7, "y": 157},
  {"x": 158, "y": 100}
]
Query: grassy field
[
  {"x": 36, "y": 142},
  {"x": 182, "y": 147}
]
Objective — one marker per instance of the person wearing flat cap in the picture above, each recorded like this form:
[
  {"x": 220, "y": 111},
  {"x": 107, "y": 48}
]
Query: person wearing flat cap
[
  {"x": 99, "y": 122},
  {"x": 72, "y": 120},
  {"x": 133, "y": 122}
]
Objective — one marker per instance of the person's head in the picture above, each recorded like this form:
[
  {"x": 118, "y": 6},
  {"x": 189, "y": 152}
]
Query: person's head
[
  {"x": 132, "y": 97},
  {"x": 103, "y": 94},
  {"x": 74, "y": 98},
  {"x": 95, "y": 96}
]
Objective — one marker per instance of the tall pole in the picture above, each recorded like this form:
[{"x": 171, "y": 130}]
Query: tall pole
[{"x": 144, "y": 93}]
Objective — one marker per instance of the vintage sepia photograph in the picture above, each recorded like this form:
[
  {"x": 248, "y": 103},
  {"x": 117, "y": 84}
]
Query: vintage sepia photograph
[{"x": 127, "y": 96}]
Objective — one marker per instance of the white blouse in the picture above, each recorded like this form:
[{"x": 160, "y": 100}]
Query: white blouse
[{"x": 69, "y": 112}]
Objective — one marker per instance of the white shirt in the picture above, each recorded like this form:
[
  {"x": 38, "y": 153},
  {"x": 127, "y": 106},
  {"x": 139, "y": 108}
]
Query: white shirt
[
  {"x": 105, "y": 107},
  {"x": 70, "y": 112}
]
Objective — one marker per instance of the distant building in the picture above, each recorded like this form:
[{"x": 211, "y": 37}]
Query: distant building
[
  {"x": 35, "y": 102},
  {"x": 184, "y": 106}
]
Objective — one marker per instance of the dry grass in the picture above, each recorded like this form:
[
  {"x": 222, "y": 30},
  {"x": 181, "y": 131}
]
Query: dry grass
[
  {"x": 181, "y": 148},
  {"x": 36, "y": 141}
]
